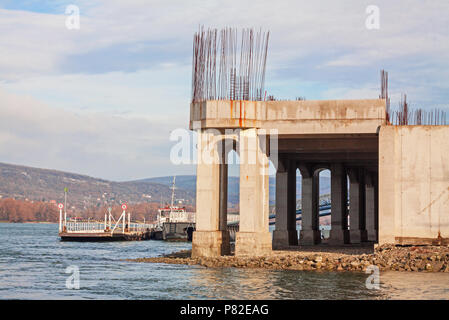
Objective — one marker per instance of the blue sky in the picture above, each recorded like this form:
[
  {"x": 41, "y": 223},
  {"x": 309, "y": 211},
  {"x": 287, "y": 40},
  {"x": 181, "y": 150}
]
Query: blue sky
[
  {"x": 53, "y": 7},
  {"x": 102, "y": 100}
]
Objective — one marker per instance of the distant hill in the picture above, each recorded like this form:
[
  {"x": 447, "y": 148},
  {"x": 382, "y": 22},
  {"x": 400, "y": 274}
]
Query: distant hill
[
  {"x": 21, "y": 182},
  {"x": 188, "y": 182}
]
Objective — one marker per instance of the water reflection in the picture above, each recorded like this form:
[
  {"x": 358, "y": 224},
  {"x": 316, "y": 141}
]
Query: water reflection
[
  {"x": 33, "y": 262},
  {"x": 412, "y": 285},
  {"x": 245, "y": 284}
]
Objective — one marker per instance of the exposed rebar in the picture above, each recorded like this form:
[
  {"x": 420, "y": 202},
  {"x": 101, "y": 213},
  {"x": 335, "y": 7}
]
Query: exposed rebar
[
  {"x": 384, "y": 91},
  {"x": 241, "y": 68},
  {"x": 405, "y": 116}
]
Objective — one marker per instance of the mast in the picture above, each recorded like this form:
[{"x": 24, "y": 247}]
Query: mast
[
  {"x": 65, "y": 206},
  {"x": 172, "y": 194}
]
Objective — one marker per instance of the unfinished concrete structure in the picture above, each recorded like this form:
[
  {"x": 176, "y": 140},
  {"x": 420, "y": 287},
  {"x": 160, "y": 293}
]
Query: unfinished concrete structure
[
  {"x": 398, "y": 175},
  {"x": 311, "y": 136},
  {"x": 414, "y": 185}
]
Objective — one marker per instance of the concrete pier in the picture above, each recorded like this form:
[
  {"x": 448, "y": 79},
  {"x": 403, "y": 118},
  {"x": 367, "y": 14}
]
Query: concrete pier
[
  {"x": 371, "y": 207},
  {"x": 413, "y": 185},
  {"x": 310, "y": 233},
  {"x": 339, "y": 218},
  {"x": 253, "y": 237},
  {"x": 390, "y": 183},
  {"x": 285, "y": 234},
  {"x": 357, "y": 215},
  {"x": 211, "y": 237}
]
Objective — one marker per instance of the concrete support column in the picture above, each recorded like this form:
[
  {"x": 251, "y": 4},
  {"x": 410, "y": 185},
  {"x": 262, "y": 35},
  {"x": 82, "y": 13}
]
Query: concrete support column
[
  {"x": 339, "y": 218},
  {"x": 285, "y": 233},
  {"x": 376, "y": 207},
  {"x": 310, "y": 223},
  {"x": 371, "y": 206},
  {"x": 357, "y": 227},
  {"x": 210, "y": 238},
  {"x": 223, "y": 220},
  {"x": 253, "y": 237}
]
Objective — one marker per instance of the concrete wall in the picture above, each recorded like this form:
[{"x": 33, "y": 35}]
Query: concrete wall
[
  {"x": 316, "y": 116},
  {"x": 414, "y": 184}
]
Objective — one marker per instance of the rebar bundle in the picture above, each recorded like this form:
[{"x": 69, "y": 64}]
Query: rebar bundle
[
  {"x": 225, "y": 67},
  {"x": 384, "y": 91},
  {"x": 406, "y": 116}
]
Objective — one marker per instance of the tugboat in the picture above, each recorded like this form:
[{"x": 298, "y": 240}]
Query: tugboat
[{"x": 174, "y": 222}]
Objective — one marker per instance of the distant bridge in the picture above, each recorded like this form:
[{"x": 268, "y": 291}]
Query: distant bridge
[{"x": 324, "y": 210}]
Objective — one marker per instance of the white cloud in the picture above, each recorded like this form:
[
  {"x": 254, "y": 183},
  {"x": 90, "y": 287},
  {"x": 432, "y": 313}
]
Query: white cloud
[
  {"x": 299, "y": 29},
  {"x": 98, "y": 144},
  {"x": 124, "y": 77},
  {"x": 162, "y": 92}
]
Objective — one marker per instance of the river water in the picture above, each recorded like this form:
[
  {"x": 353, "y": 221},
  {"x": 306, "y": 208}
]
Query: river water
[{"x": 33, "y": 265}]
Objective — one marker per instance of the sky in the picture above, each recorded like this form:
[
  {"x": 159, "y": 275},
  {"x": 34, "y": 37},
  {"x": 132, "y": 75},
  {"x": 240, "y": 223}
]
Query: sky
[{"x": 102, "y": 100}]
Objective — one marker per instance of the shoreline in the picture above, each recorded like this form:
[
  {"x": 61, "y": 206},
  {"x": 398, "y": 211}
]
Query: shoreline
[
  {"x": 43, "y": 222},
  {"x": 386, "y": 258}
]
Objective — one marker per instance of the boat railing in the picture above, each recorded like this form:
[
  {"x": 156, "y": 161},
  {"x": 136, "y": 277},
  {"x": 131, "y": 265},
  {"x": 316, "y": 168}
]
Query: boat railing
[{"x": 97, "y": 227}]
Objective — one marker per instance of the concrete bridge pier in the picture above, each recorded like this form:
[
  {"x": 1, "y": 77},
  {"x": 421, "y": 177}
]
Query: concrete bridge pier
[
  {"x": 310, "y": 233},
  {"x": 211, "y": 237},
  {"x": 253, "y": 237},
  {"x": 371, "y": 207},
  {"x": 357, "y": 223},
  {"x": 311, "y": 136},
  {"x": 285, "y": 233},
  {"x": 339, "y": 233},
  {"x": 405, "y": 181}
]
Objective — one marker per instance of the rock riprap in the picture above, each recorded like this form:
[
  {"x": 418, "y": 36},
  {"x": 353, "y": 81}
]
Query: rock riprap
[{"x": 387, "y": 257}]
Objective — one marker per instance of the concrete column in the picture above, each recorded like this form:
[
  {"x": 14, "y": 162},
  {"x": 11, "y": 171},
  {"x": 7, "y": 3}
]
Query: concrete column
[
  {"x": 371, "y": 207},
  {"x": 390, "y": 151},
  {"x": 339, "y": 218},
  {"x": 357, "y": 228},
  {"x": 376, "y": 207},
  {"x": 223, "y": 221},
  {"x": 285, "y": 233},
  {"x": 310, "y": 223},
  {"x": 253, "y": 237},
  {"x": 209, "y": 239}
]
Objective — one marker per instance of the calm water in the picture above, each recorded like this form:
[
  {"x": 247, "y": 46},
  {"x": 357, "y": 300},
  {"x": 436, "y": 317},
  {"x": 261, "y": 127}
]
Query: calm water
[{"x": 33, "y": 263}]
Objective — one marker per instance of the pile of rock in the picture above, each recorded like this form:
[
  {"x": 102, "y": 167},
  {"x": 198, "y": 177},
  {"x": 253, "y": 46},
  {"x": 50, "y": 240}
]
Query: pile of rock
[
  {"x": 387, "y": 257},
  {"x": 423, "y": 258}
]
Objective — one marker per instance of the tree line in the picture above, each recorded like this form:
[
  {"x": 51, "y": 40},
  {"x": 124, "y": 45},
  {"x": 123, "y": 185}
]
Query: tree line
[{"x": 12, "y": 210}]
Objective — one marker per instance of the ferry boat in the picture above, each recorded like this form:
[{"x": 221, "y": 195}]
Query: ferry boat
[
  {"x": 82, "y": 229},
  {"x": 174, "y": 222}
]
